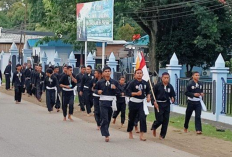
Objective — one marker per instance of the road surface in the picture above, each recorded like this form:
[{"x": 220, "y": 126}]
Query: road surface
[{"x": 28, "y": 130}]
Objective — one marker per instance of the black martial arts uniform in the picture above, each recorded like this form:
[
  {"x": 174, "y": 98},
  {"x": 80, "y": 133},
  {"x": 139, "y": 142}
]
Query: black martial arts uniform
[
  {"x": 96, "y": 97},
  {"x": 80, "y": 97},
  {"x": 39, "y": 81},
  {"x": 121, "y": 104},
  {"x": 51, "y": 87},
  {"x": 33, "y": 87},
  {"x": 136, "y": 104},
  {"x": 27, "y": 74},
  {"x": 7, "y": 74},
  {"x": 57, "y": 106},
  {"x": 193, "y": 88},
  {"x": 163, "y": 95},
  {"x": 106, "y": 102},
  {"x": 67, "y": 94},
  {"x": 18, "y": 83},
  {"x": 137, "y": 117},
  {"x": 87, "y": 92}
]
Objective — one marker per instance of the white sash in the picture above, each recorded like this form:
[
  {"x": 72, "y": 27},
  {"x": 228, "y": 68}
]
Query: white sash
[
  {"x": 203, "y": 107},
  {"x": 127, "y": 99},
  {"x": 55, "y": 88},
  {"x": 110, "y": 98},
  {"x": 135, "y": 100},
  {"x": 96, "y": 95}
]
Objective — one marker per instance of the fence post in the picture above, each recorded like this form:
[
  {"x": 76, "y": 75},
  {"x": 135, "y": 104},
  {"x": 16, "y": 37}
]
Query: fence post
[
  {"x": 44, "y": 60},
  {"x": 174, "y": 71},
  {"x": 90, "y": 60},
  {"x": 27, "y": 52},
  {"x": 14, "y": 56},
  {"x": 1, "y": 58},
  {"x": 57, "y": 60},
  {"x": 219, "y": 74},
  {"x": 112, "y": 63},
  {"x": 72, "y": 60}
]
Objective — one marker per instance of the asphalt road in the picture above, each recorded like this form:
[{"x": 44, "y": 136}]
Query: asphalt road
[{"x": 28, "y": 130}]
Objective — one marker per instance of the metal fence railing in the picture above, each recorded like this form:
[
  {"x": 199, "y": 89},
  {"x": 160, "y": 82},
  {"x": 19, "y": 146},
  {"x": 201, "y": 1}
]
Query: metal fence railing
[
  {"x": 226, "y": 98},
  {"x": 208, "y": 91}
]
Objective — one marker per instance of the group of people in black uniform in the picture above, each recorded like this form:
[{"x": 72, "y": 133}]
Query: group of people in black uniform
[{"x": 108, "y": 96}]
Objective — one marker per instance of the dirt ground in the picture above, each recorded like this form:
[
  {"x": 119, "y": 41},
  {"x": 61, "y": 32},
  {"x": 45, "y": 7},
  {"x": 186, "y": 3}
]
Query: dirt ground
[{"x": 195, "y": 144}]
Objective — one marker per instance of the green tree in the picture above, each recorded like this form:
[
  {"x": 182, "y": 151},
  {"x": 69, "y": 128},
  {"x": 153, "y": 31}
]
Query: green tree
[{"x": 126, "y": 32}]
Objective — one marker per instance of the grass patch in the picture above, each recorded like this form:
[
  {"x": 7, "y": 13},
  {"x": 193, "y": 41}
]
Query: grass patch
[
  {"x": 3, "y": 79},
  {"x": 208, "y": 129}
]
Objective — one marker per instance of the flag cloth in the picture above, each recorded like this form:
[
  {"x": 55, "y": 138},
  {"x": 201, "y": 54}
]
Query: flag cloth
[
  {"x": 143, "y": 67},
  {"x": 138, "y": 60}
]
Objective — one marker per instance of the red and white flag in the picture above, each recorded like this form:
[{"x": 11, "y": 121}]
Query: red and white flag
[{"x": 141, "y": 64}]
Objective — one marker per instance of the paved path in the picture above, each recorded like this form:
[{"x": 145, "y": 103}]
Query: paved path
[{"x": 28, "y": 130}]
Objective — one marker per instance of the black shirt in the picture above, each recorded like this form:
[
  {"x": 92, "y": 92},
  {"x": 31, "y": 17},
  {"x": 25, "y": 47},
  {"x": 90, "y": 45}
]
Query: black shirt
[
  {"x": 67, "y": 80},
  {"x": 18, "y": 79},
  {"x": 135, "y": 86},
  {"x": 39, "y": 78},
  {"x": 85, "y": 81},
  {"x": 79, "y": 78},
  {"x": 28, "y": 73},
  {"x": 105, "y": 86},
  {"x": 8, "y": 70},
  {"x": 57, "y": 76},
  {"x": 1, "y": 75},
  {"x": 50, "y": 82},
  {"x": 122, "y": 89},
  {"x": 193, "y": 87},
  {"x": 163, "y": 93}
]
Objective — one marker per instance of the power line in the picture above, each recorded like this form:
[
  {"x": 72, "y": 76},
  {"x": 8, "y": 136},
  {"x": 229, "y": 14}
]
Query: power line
[
  {"x": 139, "y": 19},
  {"x": 165, "y": 9},
  {"x": 144, "y": 17}
]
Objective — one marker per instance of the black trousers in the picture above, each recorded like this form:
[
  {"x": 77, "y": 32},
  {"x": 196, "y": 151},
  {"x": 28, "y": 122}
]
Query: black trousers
[
  {"x": 121, "y": 107},
  {"x": 18, "y": 93},
  {"x": 50, "y": 98},
  {"x": 7, "y": 77},
  {"x": 88, "y": 99},
  {"x": 136, "y": 120},
  {"x": 162, "y": 118},
  {"x": 39, "y": 91},
  {"x": 28, "y": 86},
  {"x": 97, "y": 114},
  {"x": 68, "y": 101},
  {"x": 106, "y": 114},
  {"x": 57, "y": 103},
  {"x": 81, "y": 100},
  {"x": 193, "y": 106},
  {"x": 134, "y": 110}
]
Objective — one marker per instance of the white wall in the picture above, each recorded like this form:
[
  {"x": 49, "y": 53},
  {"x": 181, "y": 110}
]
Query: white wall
[{"x": 5, "y": 61}]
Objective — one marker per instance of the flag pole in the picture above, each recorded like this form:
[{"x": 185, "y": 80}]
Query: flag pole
[{"x": 153, "y": 94}]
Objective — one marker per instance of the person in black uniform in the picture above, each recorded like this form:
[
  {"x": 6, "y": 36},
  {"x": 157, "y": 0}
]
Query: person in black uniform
[
  {"x": 194, "y": 91},
  {"x": 137, "y": 117},
  {"x": 67, "y": 83},
  {"x": 7, "y": 74},
  {"x": 27, "y": 74},
  {"x": 18, "y": 83},
  {"x": 107, "y": 88},
  {"x": 137, "y": 90},
  {"x": 121, "y": 102},
  {"x": 64, "y": 71},
  {"x": 24, "y": 67},
  {"x": 164, "y": 93},
  {"x": 96, "y": 97},
  {"x": 56, "y": 74},
  {"x": 86, "y": 90},
  {"x": 79, "y": 78},
  {"x": 33, "y": 74},
  {"x": 38, "y": 82},
  {"x": 0, "y": 76},
  {"x": 51, "y": 86}
]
